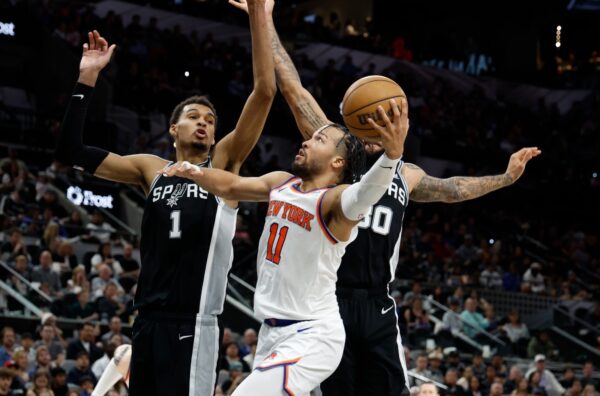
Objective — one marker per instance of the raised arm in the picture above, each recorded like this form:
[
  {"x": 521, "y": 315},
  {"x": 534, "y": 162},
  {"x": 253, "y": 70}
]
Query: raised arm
[
  {"x": 226, "y": 184},
  {"x": 345, "y": 205},
  {"x": 70, "y": 150},
  {"x": 233, "y": 149},
  {"x": 425, "y": 188},
  {"x": 307, "y": 112}
]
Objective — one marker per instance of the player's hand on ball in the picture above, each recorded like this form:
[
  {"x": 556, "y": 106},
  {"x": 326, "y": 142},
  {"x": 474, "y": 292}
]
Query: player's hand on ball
[
  {"x": 518, "y": 161},
  {"x": 394, "y": 133},
  {"x": 96, "y": 53},
  {"x": 182, "y": 169},
  {"x": 243, "y": 5}
]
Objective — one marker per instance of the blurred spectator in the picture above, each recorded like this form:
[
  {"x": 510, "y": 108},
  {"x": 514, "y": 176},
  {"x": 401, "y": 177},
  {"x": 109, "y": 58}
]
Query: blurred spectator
[
  {"x": 20, "y": 366},
  {"x": 517, "y": 332},
  {"x": 478, "y": 365},
  {"x": 109, "y": 304},
  {"x": 59, "y": 381},
  {"x": 130, "y": 267},
  {"x": 23, "y": 268},
  {"x": 100, "y": 365},
  {"x": 41, "y": 384},
  {"x": 540, "y": 345},
  {"x": 587, "y": 377},
  {"x": 104, "y": 256},
  {"x": 496, "y": 389},
  {"x": 498, "y": 364},
  {"x": 249, "y": 358},
  {"x": 65, "y": 258},
  {"x": 568, "y": 378},
  {"x": 417, "y": 320},
  {"x": 547, "y": 380},
  {"x": 6, "y": 378},
  {"x": 14, "y": 246},
  {"x": 415, "y": 292},
  {"x": 420, "y": 369},
  {"x": 463, "y": 381},
  {"x": 48, "y": 339},
  {"x": 44, "y": 274},
  {"x": 82, "y": 308},
  {"x": 474, "y": 387},
  {"x": 115, "y": 326},
  {"x": 534, "y": 278},
  {"x": 511, "y": 280},
  {"x": 43, "y": 360},
  {"x": 8, "y": 344},
  {"x": 73, "y": 224},
  {"x": 250, "y": 338},
  {"x": 435, "y": 366},
  {"x": 490, "y": 278},
  {"x": 428, "y": 389},
  {"x": 450, "y": 380},
  {"x": 468, "y": 251},
  {"x": 27, "y": 346},
  {"x": 82, "y": 368},
  {"x": 514, "y": 377},
  {"x": 100, "y": 230},
  {"x": 235, "y": 378},
  {"x": 474, "y": 321},
  {"x": 589, "y": 390},
  {"x": 100, "y": 282},
  {"x": 85, "y": 342},
  {"x": 232, "y": 355},
  {"x": 78, "y": 281}
]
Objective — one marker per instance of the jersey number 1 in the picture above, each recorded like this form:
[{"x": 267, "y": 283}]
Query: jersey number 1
[
  {"x": 175, "y": 232},
  {"x": 275, "y": 256}
]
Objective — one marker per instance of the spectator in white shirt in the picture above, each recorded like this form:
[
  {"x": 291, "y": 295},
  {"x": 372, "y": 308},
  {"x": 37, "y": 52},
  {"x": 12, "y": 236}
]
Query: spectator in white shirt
[
  {"x": 533, "y": 276},
  {"x": 547, "y": 380},
  {"x": 490, "y": 277}
]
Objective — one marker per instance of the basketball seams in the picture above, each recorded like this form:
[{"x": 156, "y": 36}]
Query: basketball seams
[
  {"x": 381, "y": 79},
  {"x": 367, "y": 105}
]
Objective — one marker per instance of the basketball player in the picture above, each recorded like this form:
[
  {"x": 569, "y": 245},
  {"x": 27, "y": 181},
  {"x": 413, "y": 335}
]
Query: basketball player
[
  {"x": 187, "y": 233},
  {"x": 373, "y": 361},
  {"x": 309, "y": 223}
]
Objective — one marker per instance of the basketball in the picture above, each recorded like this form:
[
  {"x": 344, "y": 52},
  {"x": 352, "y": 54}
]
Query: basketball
[{"x": 361, "y": 101}]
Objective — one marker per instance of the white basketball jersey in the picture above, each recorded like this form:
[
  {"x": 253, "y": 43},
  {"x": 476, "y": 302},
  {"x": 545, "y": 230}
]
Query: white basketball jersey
[{"x": 298, "y": 258}]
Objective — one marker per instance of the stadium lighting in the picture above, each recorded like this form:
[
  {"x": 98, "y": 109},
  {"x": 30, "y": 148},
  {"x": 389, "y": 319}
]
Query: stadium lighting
[
  {"x": 186, "y": 73},
  {"x": 595, "y": 175},
  {"x": 558, "y": 32},
  {"x": 492, "y": 241},
  {"x": 558, "y": 44},
  {"x": 7, "y": 29}
]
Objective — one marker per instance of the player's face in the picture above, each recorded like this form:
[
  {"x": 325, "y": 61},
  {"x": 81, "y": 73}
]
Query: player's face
[
  {"x": 319, "y": 153},
  {"x": 195, "y": 127}
]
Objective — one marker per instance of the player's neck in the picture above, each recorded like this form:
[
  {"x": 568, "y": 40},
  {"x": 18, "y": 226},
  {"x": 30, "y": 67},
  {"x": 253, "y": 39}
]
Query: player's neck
[
  {"x": 314, "y": 182},
  {"x": 193, "y": 156}
]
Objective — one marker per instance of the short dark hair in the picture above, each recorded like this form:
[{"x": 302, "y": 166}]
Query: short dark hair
[
  {"x": 86, "y": 324},
  {"x": 354, "y": 153},
  {"x": 197, "y": 99},
  {"x": 83, "y": 353}
]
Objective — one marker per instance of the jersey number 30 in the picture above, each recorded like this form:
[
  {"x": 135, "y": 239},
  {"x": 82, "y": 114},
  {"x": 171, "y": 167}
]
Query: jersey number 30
[
  {"x": 379, "y": 219},
  {"x": 274, "y": 256}
]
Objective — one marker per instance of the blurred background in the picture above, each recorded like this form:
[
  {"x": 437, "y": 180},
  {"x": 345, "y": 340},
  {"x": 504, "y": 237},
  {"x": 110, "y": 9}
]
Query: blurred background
[{"x": 483, "y": 80}]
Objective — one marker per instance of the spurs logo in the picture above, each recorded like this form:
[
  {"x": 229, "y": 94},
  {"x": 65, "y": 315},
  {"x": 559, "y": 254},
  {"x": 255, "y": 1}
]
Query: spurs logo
[{"x": 178, "y": 193}]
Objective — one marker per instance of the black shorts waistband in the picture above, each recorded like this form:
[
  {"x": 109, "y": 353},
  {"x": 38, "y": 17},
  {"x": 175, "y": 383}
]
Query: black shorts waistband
[
  {"x": 166, "y": 316},
  {"x": 347, "y": 292}
]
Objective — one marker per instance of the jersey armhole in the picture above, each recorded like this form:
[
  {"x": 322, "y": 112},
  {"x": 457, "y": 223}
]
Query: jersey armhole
[
  {"x": 322, "y": 222},
  {"x": 156, "y": 180},
  {"x": 282, "y": 185},
  {"x": 399, "y": 171}
]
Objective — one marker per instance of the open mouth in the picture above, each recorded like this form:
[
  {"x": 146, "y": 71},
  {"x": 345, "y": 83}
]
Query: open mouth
[{"x": 200, "y": 133}]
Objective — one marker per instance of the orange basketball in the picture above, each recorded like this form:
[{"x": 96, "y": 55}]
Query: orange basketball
[{"x": 361, "y": 101}]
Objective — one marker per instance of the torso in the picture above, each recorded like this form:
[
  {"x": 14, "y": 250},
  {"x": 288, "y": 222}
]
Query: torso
[
  {"x": 186, "y": 248},
  {"x": 297, "y": 257}
]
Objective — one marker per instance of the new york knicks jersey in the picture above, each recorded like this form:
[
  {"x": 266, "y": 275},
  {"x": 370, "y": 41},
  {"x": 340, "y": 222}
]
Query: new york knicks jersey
[
  {"x": 371, "y": 260},
  {"x": 186, "y": 248},
  {"x": 298, "y": 258}
]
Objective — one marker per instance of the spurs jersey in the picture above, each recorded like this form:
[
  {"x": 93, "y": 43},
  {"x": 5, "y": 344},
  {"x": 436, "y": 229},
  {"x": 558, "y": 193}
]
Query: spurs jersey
[
  {"x": 186, "y": 248},
  {"x": 371, "y": 260},
  {"x": 298, "y": 258}
]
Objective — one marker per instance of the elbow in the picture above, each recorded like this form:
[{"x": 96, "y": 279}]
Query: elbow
[{"x": 265, "y": 88}]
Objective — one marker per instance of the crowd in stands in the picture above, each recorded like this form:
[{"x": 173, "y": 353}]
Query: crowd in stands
[{"x": 449, "y": 252}]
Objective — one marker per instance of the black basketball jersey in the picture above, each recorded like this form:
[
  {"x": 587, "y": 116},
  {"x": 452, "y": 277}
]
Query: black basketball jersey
[
  {"x": 186, "y": 248},
  {"x": 371, "y": 260}
]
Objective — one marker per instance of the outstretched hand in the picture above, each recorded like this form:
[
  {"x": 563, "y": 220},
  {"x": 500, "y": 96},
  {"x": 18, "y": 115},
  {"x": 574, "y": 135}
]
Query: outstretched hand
[
  {"x": 243, "y": 5},
  {"x": 182, "y": 169},
  {"x": 518, "y": 161},
  {"x": 96, "y": 53},
  {"x": 394, "y": 133}
]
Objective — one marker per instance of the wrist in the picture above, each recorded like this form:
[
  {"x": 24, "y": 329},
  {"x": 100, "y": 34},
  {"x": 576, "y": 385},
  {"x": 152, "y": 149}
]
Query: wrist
[
  {"x": 393, "y": 155},
  {"x": 88, "y": 77}
]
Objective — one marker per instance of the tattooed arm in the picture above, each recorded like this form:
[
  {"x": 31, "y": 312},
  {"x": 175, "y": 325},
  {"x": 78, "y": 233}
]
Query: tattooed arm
[
  {"x": 307, "y": 112},
  {"x": 425, "y": 188}
]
